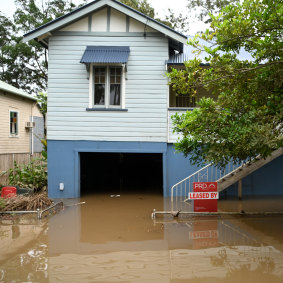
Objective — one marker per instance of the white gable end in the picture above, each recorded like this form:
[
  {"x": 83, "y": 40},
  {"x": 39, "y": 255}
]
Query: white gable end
[
  {"x": 107, "y": 20},
  {"x": 81, "y": 25},
  {"x": 117, "y": 21},
  {"x": 66, "y": 22},
  {"x": 136, "y": 26},
  {"x": 99, "y": 21}
]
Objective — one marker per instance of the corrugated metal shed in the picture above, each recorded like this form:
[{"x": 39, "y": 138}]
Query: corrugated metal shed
[{"x": 106, "y": 54}]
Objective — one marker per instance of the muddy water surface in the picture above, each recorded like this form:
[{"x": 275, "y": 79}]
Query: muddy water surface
[{"x": 113, "y": 239}]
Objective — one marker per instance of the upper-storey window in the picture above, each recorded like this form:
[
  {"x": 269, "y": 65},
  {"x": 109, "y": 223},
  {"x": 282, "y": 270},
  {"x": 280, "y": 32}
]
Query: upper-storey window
[
  {"x": 107, "y": 69},
  {"x": 182, "y": 101},
  {"x": 14, "y": 123},
  {"x": 187, "y": 100},
  {"x": 107, "y": 86}
]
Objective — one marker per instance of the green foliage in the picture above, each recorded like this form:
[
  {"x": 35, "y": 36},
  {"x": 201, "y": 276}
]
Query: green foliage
[
  {"x": 42, "y": 101},
  {"x": 203, "y": 8},
  {"x": 179, "y": 22},
  {"x": 246, "y": 119},
  {"x": 2, "y": 202},
  {"x": 24, "y": 65},
  {"x": 44, "y": 151},
  {"x": 32, "y": 175},
  {"x": 140, "y": 5}
]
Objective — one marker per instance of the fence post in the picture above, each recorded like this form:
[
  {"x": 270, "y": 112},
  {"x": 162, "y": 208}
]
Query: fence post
[{"x": 240, "y": 192}]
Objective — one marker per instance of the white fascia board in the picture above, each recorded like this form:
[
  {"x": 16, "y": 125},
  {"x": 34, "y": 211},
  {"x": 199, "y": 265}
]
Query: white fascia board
[
  {"x": 65, "y": 21},
  {"x": 96, "y": 5},
  {"x": 147, "y": 21}
]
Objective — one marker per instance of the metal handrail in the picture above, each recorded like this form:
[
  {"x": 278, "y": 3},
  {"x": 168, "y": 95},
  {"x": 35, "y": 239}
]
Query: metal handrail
[
  {"x": 209, "y": 175},
  {"x": 191, "y": 175},
  {"x": 38, "y": 211}
]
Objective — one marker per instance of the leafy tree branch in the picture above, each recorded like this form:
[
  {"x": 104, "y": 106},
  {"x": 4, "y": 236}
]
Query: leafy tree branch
[{"x": 246, "y": 117}]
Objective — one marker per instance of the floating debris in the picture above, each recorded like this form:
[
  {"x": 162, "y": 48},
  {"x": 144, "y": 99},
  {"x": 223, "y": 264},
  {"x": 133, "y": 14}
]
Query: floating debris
[{"x": 27, "y": 202}]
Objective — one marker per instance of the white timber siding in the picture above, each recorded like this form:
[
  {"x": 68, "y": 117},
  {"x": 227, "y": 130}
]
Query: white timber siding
[{"x": 146, "y": 91}]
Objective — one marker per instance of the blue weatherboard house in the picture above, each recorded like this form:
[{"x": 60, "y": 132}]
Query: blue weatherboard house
[{"x": 110, "y": 106}]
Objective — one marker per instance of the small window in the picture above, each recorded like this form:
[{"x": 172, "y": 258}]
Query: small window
[
  {"x": 107, "y": 86},
  {"x": 13, "y": 123}
]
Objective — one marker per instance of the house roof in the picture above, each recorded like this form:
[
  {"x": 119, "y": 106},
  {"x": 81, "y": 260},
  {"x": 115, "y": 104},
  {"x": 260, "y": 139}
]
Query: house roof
[
  {"x": 78, "y": 13},
  {"x": 179, "y": 59},
  {"x": 11, "y": 89},
  {"x": 106, "y": 54}
]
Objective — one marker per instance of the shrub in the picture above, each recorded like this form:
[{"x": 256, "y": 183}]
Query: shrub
[{"x": 32, "y": 175}]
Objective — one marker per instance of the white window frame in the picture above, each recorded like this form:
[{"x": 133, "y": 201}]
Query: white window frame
[
  {"x": 18, "y": 124},
  {"x": 107, "y": 87}
]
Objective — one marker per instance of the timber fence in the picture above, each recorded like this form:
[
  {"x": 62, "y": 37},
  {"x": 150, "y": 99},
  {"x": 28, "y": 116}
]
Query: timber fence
[{"x": 7, "y": 161}]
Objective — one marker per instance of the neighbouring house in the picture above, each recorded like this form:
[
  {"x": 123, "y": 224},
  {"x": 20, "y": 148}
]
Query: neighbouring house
[
  {"x": 109, "y": 103},
  {"x": 21, "y": 126}
]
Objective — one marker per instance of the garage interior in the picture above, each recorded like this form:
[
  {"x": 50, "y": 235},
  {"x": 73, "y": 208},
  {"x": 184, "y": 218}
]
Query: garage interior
[{"x": 120, "y": 173}]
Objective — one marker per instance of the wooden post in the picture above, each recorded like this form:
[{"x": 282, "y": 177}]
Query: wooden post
[{"x": 240, "y": 193}]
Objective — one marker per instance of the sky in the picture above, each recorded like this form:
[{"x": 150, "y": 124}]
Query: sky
[{"x": 160, "y": 7}]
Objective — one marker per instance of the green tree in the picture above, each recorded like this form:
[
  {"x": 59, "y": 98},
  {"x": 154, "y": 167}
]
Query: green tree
[
  {"x": 24, "y": 65},
  {"x": 140, "y": 5},
  {"x": 203, "y": 8},
  {"x": 179, "y": 22},
  {"x": 7, "y": 39},
  {"x": 246, "y": 119}
]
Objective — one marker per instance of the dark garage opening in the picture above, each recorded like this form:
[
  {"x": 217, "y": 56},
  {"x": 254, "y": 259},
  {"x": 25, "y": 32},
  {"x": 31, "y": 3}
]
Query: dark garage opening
[{"x": 118, "y": 173}]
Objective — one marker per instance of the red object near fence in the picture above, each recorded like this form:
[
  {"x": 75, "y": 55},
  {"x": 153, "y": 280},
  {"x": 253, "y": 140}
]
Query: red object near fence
[
  {"x": 205, "y": 195},
  {"x": 8, "y": 192}
]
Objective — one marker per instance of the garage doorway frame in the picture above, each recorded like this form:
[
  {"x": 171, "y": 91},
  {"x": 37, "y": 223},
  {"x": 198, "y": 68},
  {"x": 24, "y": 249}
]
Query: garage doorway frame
[{"x": 77, "y": 173}]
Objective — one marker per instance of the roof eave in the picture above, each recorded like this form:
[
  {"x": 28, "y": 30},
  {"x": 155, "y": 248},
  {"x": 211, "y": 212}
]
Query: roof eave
[
  {"x": 89, "y": 8},
  {"x": 19, "y": 94}
]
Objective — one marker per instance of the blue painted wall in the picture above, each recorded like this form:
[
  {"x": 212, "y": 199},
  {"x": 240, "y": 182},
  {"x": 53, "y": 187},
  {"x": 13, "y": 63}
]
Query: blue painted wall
[
  {"x": 64, "y": 167},
  {"x": 178, "y": 168},
  {"x": 268, "y": 180}
]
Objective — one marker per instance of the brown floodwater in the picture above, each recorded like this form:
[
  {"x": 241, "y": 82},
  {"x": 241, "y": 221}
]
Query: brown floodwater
[{"x": 104, "y": 238}]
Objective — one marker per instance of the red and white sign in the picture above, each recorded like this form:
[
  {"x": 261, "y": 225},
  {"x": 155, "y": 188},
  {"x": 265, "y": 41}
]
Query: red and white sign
[
  {"x": 205, "y": 196},
  {"x": 201, "y": 195}
]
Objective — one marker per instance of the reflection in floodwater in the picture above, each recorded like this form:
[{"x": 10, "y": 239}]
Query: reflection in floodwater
[{"x": 113, "y": 239}]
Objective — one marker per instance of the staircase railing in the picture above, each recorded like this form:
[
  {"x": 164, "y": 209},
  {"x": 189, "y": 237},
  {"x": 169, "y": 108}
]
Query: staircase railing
[{"x": 181, "y": 190}]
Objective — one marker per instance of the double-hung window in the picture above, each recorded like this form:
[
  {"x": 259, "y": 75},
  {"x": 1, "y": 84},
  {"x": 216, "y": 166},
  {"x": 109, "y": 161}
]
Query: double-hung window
[
  {"x": 107, "y": 69},
  {"x": 107, "y": 86},
  {"x": 14, "y": 123}
]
